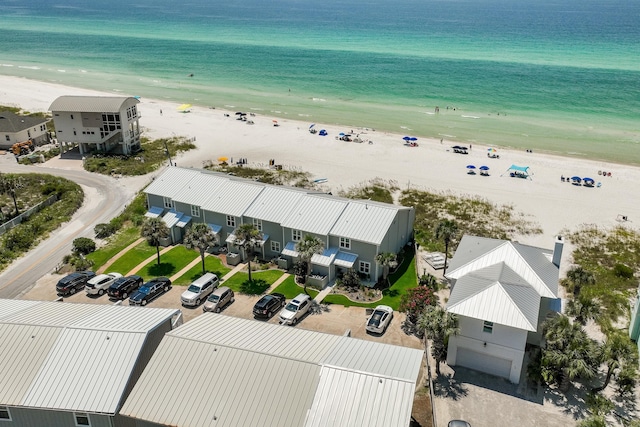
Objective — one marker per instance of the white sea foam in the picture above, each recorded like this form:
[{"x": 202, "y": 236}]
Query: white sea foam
[
  {"x": 29, "y": 68},
  {"x": 6, "y": 65},
  {"x": 470, "y": 117},
  {"x": 319, "y": 99},
  {"x": 429, "y": 113},
  {"x": 62, "y": 71},
  {"x": 83, "y": 71}
]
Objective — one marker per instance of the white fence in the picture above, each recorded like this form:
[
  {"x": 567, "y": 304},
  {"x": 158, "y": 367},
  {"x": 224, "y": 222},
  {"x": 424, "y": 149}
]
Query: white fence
[{"x": 26, "y": 214}]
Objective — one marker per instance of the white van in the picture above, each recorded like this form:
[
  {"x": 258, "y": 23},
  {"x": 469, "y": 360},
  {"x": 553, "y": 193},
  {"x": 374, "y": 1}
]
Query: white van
[{"x": 199, "y": 290}]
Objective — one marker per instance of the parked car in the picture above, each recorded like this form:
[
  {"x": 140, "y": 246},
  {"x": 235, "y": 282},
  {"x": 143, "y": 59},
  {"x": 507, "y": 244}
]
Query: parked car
[
  {"x": 293, "y": 312},
  {"x": 199, "y": 290},
  {"x": 99, "y": 284},
  {"x": 124, "y": 286},
  {"x": 74, "y": 282},
  {"x": 268, "y": 305},
  {"x": 458, "y": 423},
  {"x": 150, "y": 291},
  {"x": 379, "y": 319},
  {"x": 219, "y": 299}
]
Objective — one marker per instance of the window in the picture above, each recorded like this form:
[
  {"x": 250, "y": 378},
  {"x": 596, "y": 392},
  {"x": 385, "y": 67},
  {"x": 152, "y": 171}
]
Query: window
[
  {"x": 296, "y": 235},
  {"x": 231, "y": 220},
  {"x": 275, "y": 246},
  {"x": 195, "y": 210},
  {"x": 487, "y": 327},
  {"x": 82, "y": 419},
  {"x": 168, "y": 203},
  {"x": 257, "y": 223},
  {"x": 365, "y": 267},
  {"x": 5, "y": 415},
  {"x": 345, "y": 243}
]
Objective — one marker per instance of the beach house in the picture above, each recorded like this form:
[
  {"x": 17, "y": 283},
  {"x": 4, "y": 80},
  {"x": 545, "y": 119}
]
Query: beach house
[
  {"x": 353, "y": 232},
  {"x": 15, "y": 129},
  {"x": 501, "y": 292},
  {"x": 74, "y": 364},
  {"x": 227, "y": 371},
  {"x": 97, "y": 123}
]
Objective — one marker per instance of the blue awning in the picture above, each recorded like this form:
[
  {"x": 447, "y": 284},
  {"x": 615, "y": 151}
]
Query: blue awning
[
  {"x": 326, "y": 258},
  {"x": 154, "y": 212},
  {"x": 519, "y": 168},
  {"x": 290, "y": 250},
  {"x": 216, "y": 228},
  {"x": 345, "y": 259},
  {"x": 183, "y": 221}
]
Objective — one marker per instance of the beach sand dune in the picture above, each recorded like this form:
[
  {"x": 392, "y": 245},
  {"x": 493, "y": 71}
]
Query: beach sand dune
[{"x": 432, "y": 165}]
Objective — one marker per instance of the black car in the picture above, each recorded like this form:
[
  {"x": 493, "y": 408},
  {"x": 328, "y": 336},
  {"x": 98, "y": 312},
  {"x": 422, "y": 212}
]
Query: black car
[
  {"x": 73, "y": 282},
  {"x": 124, "y": 286},
  {"x": 268, "y": 305},
  {"x": 150, "y": 290}
]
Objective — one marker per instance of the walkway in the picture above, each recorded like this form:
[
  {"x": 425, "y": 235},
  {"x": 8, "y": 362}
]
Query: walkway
[
  {"x": 118, "y": 255},
  {"x": 323, "y": 293}
]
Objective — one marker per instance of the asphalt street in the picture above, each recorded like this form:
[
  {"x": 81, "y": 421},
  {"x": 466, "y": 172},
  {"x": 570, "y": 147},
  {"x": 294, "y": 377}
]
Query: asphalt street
[{"x": 105, "y": 197}]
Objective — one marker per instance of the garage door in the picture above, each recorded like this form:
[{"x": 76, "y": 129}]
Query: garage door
[{"x": 483, "y": 362}]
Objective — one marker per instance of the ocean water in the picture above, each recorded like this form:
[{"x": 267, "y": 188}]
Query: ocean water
[{"x": 560, "y": 76}]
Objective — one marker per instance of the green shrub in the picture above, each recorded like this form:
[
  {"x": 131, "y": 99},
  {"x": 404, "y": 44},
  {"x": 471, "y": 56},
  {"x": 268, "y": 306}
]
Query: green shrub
[
  {"x": 621, "y": 270},
  {"x": 84, "y": 245},
  {"x": 104, "y": 230}
]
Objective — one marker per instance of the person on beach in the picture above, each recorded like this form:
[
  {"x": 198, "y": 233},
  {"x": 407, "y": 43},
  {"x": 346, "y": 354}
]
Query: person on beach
[{"x": 161, "y": 111}]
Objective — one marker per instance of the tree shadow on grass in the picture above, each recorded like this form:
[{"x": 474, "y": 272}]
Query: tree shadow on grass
[
  {"x": 254, "y": 287},
  {"x": 162, "y": 269}
]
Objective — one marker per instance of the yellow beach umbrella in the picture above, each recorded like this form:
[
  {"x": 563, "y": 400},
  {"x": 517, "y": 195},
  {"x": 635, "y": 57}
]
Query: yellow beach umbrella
[
  {"x": 184, "y": 108},
  {"x": 223, "y": 159}
]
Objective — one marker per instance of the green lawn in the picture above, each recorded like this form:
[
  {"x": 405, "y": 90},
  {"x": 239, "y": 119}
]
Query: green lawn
[
  {"x": 212, "y": 264},
  {"x": 290, "y": 289},
  {"x": 268, "y": 277},
  {"x": 170, "y": 263},
  {"x": 117, "y": 243},
  {"x": 132, "y": 258}
]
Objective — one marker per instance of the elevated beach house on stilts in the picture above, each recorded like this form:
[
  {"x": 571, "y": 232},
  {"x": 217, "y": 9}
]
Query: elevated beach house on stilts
[
  {"x": 353, "y": 232},
  {"x": 97, "y": 123}
]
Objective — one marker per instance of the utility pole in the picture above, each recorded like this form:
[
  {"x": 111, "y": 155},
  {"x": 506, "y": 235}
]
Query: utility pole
[{"x": 166, "y": 150}]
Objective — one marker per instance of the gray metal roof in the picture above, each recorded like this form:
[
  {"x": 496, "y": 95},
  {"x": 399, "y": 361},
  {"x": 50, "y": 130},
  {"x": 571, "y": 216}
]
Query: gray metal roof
[
  {"x": 529, "y": 262},
  {"x": 315, "y": 214},
  {"x": 171, "y": 182},
  {"x": 274, "y": 203},
  {"x": 42, "y": 337},
  {"x": 13, "y": 123},
  {"x": 365, "y": 221},
  {"x": 347, "y": 398},
  {"x": 270, "y": 375},
  {"x": 233, "y": 197},
  {"x": 199, "y": 189},
  {"x": 91, "y": 104}
]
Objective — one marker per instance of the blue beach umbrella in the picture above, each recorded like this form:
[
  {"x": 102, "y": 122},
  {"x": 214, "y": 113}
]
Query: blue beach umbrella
[
  {"x": 471, "y": 167},
  {"x": 341, "y": 134},
  {"x": 576, "y": 178},
  {"x": 312, "y": 125},
  {"x": 413, "y": 138},
  {"x": 588, "y": 179},
  {"x": 407, "y": 138},
  {"x": 484, "y": 168}
]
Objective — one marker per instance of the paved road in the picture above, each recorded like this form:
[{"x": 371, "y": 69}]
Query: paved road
[{"x": 105, "y": 197}]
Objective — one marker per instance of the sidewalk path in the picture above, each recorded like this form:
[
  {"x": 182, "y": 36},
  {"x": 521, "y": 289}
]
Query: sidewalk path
[
  {"x": 277, "y": 283},
  {"x": 323, "y": 293},
  {"x": 118, "y": 255}
]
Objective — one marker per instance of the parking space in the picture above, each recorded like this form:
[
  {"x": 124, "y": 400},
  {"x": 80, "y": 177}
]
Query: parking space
[{"x": 331, "y": 319}]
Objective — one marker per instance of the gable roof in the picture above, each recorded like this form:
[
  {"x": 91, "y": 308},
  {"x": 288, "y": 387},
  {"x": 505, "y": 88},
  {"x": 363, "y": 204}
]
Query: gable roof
[
  {"x": 172, "y": 182},
  {"x": 365, "y": 221},
  {"x": 531, "y": 263},
  {"x": 315, "y": 214},
  {"x": 13, "y": 123},
  {"x": 274, "y": 203},
  {"x": 40, "y": 338},
  {"x": 91, "y": 104},
  {"x": 232, "y": 197},
  {"x": 305, "y": 371}
]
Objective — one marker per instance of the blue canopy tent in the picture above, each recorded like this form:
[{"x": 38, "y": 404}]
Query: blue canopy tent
[{"x": 519, "y": 171}]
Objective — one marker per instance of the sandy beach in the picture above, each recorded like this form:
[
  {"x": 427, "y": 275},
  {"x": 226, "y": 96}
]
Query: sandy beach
[{"x": 432, "y": 165}]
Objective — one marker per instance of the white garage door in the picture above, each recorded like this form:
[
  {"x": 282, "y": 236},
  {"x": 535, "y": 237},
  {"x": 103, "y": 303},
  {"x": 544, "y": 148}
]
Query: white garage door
[{"x": 483, "y": 362}]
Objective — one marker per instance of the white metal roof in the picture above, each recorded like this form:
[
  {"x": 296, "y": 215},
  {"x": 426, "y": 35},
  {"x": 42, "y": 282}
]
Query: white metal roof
[
  {"x": 274, "y": 203},
  {"x": 10, "y": 306},
  {"x": 325, "y": 258},
  {"x": 171, "y": 218},
  {"x": 171, "y": 181},
  {"x": 270, "y": 375},
  {"x": 315, "y": 214},
  {"x": 530, "y": 263},
  {"x": 365, "y": 221},
  {"x": 199, "y": 189},
  {"x": 91, "y": 104},
  {"x": 42, "y": 340},
  {"x": 232, "y": 197}
]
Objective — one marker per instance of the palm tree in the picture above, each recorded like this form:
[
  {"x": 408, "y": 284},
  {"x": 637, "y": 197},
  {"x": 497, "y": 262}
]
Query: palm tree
[
  {"x": 248, "y": 237},
  {"x": 578, "y": 277},
  {"x": 9, "y": 184},
  {"x": 617, "y": 350},
  {"x": 307, "y": 248},
  {"x": 446, "y": 230},
  {"x": 584, "y": 309},
  {"x": 438, "y": 325},
  {"x": 569, "y": 353},
  {"x": 199, "y": 236},
  {"x": 155, "y": 230},
  {"x": 386, "y": 260}
]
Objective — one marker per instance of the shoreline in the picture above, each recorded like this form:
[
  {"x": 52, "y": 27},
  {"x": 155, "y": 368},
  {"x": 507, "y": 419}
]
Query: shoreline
[{"x": 554, "y": 205}]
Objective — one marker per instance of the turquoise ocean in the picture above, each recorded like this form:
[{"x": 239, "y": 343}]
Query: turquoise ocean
[{"x": 560, "y": 76}]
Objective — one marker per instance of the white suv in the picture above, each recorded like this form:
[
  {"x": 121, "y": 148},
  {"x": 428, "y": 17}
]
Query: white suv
[
  {"x": 199, "y": 290},
  {"x": 99, "y": 284},
  {"x": 293, "y": 312}
]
